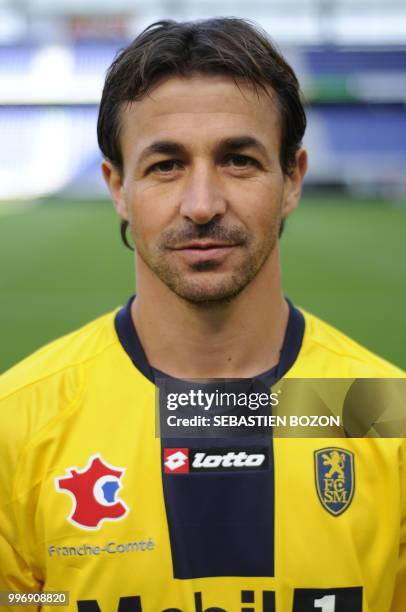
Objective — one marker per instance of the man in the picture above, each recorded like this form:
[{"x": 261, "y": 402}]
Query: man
[{"x": 200, "y": 125}]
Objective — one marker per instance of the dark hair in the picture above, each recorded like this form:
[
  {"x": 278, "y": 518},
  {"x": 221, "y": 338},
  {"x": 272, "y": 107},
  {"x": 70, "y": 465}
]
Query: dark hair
[{"x": 221, "y": 46}]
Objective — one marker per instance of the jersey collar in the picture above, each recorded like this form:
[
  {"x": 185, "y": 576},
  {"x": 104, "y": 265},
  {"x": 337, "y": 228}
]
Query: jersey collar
[{"x": 131, "y": 343}]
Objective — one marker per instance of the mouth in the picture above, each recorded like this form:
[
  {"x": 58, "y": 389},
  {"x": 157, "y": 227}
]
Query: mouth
[
  {"x": 200, "y": 249},
  {"x": 204, "y": 245}
]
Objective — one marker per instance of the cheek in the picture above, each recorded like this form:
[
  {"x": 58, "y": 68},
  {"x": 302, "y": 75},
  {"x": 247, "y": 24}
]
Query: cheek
[
  {"x": 150, "y": 214},
  {"x": 262, "y": 206}
]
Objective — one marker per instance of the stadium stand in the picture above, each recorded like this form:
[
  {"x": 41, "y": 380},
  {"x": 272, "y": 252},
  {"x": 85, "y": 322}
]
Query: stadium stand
[{"x": 355, "y": 135}]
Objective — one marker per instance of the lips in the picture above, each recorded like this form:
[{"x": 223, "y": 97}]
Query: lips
[
  {"x": 203, "y": 246},
  {"x": 199, "y": 250}
]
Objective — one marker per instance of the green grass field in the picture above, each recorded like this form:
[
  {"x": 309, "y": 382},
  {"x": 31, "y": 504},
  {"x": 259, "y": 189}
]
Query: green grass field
[{"x": 63, "y": 264}]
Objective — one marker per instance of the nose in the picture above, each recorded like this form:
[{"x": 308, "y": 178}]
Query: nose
[{"x": 202, "y": 198}]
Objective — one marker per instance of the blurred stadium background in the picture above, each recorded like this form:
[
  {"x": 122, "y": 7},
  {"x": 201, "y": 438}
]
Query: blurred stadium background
[{"x": 343, "y": 251}]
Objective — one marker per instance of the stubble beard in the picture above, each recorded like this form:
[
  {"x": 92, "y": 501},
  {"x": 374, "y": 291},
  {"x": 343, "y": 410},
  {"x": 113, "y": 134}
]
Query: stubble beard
[{"x": 203, "y": 284}]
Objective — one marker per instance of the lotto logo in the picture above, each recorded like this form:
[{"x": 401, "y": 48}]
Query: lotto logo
[
  {"x": 176, "y": 460},
  {"x": 194, "y": 460}
]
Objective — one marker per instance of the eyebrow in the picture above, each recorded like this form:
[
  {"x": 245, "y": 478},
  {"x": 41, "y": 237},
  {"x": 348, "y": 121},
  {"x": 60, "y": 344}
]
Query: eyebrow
[
  {"x": 234, "y": 143},
  {"x": 163, "y": 147},
  {"x": 238, "y": 143}
]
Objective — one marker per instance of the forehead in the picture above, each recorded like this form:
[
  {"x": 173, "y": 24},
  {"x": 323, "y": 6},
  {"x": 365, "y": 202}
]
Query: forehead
[{"x": 199, "y": 109}]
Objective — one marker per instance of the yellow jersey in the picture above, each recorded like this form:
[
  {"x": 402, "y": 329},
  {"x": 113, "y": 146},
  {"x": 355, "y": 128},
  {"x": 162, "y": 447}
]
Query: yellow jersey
[{"x": 93, "y": 502}]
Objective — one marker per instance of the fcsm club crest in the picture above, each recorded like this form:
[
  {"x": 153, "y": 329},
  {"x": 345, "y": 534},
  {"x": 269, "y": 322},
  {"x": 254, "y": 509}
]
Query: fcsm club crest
[
  {"x": 335, "y": 482},
  {"x": 94, "y": 493}
]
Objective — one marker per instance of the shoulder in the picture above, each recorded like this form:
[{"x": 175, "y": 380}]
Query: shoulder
[
  {"x": 43, "y": 391},
  {"x": 46, "y": 386},
  {"x": 327, "y": 352},
  {"x": 64, "y": 355}
]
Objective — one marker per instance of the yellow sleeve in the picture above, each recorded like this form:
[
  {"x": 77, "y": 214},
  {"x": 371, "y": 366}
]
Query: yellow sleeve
[
  {"x": 399, "y": 598},
  {"x": 15, "y": 571}
]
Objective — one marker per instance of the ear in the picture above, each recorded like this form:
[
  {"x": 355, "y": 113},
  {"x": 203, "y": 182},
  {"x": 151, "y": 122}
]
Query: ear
[
  {"x": 113, "y": 178},
  {"x": 294, "y": 182}
]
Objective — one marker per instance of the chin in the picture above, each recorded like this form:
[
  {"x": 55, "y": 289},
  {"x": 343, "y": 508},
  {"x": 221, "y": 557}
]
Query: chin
[
  {"x": 205, "y": 283},
  {"x": 206, "y": 294}
]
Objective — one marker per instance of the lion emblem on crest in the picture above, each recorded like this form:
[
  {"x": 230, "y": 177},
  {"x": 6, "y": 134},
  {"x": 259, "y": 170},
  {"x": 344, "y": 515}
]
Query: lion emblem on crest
[{"x": 336, "y": 461}]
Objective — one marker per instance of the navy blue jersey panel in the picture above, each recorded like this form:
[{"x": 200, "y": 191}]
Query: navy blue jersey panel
[
  {"x": 221, "y": 523},
  {"x": 221, "y": 519},
  {"x": 292, "y": 343},
  {"x": 130, "y": 341}
]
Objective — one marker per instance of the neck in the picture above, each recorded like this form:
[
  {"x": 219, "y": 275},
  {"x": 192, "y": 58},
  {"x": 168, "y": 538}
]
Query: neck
[{"x": 240, "y": 339}]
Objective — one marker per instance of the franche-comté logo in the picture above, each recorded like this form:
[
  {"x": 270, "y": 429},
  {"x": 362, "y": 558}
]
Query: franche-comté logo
[
  {"x": 93, "y": 491},
  {"x": 186, "y": 460}
]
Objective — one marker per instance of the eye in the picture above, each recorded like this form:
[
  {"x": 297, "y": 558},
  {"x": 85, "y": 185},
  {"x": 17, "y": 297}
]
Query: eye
[
  {"x": 165, "y": 166},
  {"x": 240, "y": 161}
]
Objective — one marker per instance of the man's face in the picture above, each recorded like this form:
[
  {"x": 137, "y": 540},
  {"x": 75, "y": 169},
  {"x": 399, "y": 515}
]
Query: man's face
[{"x": 202, "y": 188}]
